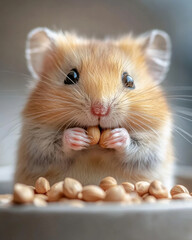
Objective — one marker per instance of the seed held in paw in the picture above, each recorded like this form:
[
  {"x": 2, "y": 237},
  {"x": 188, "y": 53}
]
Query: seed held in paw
[
  {"x": 104, "y": 136},
  {"x": 94, "y": 135}
]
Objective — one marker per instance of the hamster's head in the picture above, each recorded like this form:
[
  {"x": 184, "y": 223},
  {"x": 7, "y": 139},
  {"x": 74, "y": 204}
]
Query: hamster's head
[{"x": 80, "y": 82}]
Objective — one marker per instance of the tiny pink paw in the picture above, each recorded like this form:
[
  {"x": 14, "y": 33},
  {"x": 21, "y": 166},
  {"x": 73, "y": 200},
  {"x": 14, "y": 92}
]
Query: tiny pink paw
[
  {"x": 75, "y": 139},
  {"x": 119, "y": 139}
]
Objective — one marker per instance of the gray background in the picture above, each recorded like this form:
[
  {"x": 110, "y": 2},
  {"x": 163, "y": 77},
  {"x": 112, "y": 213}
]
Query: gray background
[{"x": 99, "y": 19}]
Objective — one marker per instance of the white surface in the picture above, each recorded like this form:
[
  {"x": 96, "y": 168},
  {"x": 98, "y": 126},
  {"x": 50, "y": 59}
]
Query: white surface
[
  {"x": 6, "y": 173},
  {"x": 94, "y": 222}
]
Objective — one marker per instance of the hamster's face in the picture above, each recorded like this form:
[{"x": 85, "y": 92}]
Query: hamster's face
[{"x": 89, "y": 82}]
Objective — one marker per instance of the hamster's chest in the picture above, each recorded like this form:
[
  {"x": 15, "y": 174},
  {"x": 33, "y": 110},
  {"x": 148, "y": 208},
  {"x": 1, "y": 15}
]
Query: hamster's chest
[{"x": 92, "y": 165}]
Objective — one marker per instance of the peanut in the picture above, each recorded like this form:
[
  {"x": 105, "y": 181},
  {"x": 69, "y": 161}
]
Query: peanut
[
  {"x": 178, "y": 189},
  {"x": 181, "y": 196},
  {"x": 157, "y": 189},
  {"x": 70, "y": 191},
  {"x": 115, "y": 194},
  {"x": 6, "y": 199},
  {"x": 150, "y": 199},
  {"x": 73, "y": 202},
  {"x": 42, "y": 196},
  {"x": 145, "y": 195},
  {"x": 127, "y": 198},
  {"x": 94, "y": 135},
  {"x": 129, "y": 187},
  {"x": 104, "y": 136},
  {"x": 71, "y": 187},
  {"x": 107, "y": 183},
  {"x": 142, "y": 187},
  {"x": 22, "y": 193},
  {"x": 42, "y": 185},
  {"x": 39, "y": 202},
  {"x": 135, "y": 198},
  {"x": 56, "y": 192},
  {"x": 80, "y": 195},
  {"x": 92, "y": 193}
]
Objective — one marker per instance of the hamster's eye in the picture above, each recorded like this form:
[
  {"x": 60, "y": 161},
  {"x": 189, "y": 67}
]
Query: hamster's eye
[
  {"x": 128, "y": 81},
  {"x": 72, "y": 77}
]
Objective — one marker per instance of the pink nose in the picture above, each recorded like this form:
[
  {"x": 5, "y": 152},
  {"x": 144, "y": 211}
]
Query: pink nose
[{"x": 98, "y": 109}]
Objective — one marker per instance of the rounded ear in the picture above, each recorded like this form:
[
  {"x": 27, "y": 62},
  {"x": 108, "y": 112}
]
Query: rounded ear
[
  {"x": 157, "y": 49},
  {"x": 39, "y": 42}
]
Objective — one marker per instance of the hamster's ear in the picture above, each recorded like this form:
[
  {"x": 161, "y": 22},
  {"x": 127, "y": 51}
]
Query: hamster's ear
[
  {"x": 156, "y": 45},
  {"x": 39, "y": 42}
]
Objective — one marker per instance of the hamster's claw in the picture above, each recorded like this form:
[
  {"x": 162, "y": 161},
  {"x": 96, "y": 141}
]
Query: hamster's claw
[
  {"x": 75, "y": 139},
  {"x": 119, "y": 139}
]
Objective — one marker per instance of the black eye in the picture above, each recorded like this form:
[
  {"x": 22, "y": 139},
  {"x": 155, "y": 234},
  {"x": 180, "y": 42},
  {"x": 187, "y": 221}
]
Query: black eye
[
  {"x": 128, "y": 81},
  {"x": 72, "y": 77}
]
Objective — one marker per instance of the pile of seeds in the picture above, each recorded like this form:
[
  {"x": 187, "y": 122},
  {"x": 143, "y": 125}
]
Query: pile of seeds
[{"x": 71, "y": 191}]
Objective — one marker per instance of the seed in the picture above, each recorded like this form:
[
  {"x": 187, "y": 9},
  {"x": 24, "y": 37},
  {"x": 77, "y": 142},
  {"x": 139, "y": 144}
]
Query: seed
[
  {"x": 71, "y": 188},
  {"x": 142, "y": 187},
  {"x": 56, "y": 192},
  {"x": 72, "y": 202},
  {"x": 94, "y": 135},
  {"x": 127, "y": 198},
  {"x": 104, "y": 136},
  {"x": 157, "y": 189},
  {"x": 150, "y": 199},
  {"x": 22, "y": 193},
  {"x": 6, "y": 199},
  {"x": 182, "y": 196},
  {"x": 92, "y": 193},
  {"x": 135, "y": 198},
  {"x": 129, "y": 187},
  {"x": 80, "y": 195},
  {"x": 42, "y": 196},
  {"x": 178, "y": 189},
  {"x": 39, "y": 202},
  {"x": 42, "y": 185},
  {"x": 115, "y": 194},
  {"x": 107, "y": 183}
]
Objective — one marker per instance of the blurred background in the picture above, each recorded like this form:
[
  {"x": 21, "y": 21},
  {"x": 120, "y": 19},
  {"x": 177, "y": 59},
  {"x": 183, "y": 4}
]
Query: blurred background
[{"x": 99, "y": 19}]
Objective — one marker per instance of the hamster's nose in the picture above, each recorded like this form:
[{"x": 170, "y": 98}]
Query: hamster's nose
[{"x": 99, "y": 109}]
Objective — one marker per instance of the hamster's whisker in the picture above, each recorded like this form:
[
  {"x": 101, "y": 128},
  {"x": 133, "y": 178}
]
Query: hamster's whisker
[
  {"x": 140, "y": 115},
  {"x": 70, "y": 104},
  {"x": 47, "y": 78},
  {"x": 132, "y": 118},
  {"x": 178, "y": 88},
  {"x": 147, "y": 125},
  {"x": 185, "y": 118},
  {"x": 184, "y": 110},
  {"x": 44, "y": 113},
  {"x": 75, "y": 89},
  {"x": 179, "y": 130}
]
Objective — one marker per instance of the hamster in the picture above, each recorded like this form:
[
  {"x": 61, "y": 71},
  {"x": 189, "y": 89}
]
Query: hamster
[{"x": 113, "y": 84}]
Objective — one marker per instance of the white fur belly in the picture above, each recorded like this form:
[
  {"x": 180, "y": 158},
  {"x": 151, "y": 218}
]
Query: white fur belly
[{"x": 91, "y": 167}]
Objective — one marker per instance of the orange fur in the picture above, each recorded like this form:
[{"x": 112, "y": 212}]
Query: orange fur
[
  {"x": 99, "y": 79},
  {"x": 56, "y": 106}
]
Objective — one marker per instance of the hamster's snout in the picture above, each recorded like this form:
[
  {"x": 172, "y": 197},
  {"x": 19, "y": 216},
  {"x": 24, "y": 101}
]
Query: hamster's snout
[{"x": 99, "y": 109}]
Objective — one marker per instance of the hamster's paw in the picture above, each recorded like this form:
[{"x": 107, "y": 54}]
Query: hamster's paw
[
  {"x": 75, "y": 139},
  {"x": 119, "y": 139}
]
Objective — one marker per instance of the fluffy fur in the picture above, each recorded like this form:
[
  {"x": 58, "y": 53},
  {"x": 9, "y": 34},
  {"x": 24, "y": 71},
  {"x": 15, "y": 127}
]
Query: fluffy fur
[{"x": 53, "y": 107}]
